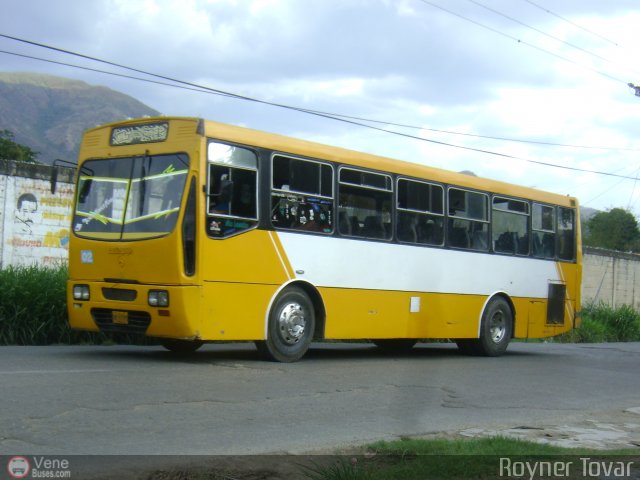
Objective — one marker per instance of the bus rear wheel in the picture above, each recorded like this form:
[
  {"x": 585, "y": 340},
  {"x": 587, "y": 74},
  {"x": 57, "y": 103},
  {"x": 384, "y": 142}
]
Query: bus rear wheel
[
  {"x": 496, "y": 330},
  {"x": 290, "y": 327}
]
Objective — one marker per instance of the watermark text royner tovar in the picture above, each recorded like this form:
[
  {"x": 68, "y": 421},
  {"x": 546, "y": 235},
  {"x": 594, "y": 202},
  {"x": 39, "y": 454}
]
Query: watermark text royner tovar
[{"x": 584, "y": 466}]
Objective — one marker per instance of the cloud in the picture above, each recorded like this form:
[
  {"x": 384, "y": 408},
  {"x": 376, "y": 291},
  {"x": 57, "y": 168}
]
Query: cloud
[{"x": 401, "y": 61}]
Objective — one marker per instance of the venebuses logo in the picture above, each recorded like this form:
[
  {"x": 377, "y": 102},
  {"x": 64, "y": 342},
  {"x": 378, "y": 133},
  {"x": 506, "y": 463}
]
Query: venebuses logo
[{"x": 18, "y": 467}]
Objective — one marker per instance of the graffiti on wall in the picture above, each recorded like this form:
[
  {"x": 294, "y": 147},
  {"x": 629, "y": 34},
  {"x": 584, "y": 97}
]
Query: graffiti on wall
[{"x": 36, "y": 222}]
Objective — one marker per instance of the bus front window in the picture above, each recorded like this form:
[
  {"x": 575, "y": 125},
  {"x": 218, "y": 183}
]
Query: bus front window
[{"x": 130, "y": 198}]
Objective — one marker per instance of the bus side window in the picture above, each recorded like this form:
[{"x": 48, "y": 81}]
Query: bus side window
[
  {"x": 301, "y": 194},
  {"x": 232, "y": 185},
  {"x": 468, "y": 219},
  {"x": 510, "y": 222},
  {"x": 420, "y": 208},
  {"x": 544, "y": 233},
  {"x": 364, "y": 208},
  {"x": 566, "y": 234}
]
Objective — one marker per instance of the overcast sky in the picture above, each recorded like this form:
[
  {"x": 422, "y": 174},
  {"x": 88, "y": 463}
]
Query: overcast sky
[{"x": 526, "y": 70}]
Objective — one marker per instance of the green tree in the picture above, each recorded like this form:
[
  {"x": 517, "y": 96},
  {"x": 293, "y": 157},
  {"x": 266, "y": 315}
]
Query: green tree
[
  {"x": 616, "y": 229},
  {"x": 10, "y": 150}
]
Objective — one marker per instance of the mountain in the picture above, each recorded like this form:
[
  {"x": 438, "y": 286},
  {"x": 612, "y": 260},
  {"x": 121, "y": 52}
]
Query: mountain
[{"x": 48, "y": 114}]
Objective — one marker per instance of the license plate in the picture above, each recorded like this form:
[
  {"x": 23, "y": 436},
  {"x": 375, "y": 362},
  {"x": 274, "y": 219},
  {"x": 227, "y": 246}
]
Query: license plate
[{"x": 120, "y": 318}]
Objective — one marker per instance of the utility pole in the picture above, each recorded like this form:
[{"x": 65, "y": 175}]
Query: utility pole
[{"x": 635, "y": 88}]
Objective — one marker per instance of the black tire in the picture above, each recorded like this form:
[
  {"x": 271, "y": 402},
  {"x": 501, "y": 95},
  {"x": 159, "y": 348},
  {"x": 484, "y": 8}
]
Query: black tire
[
  {"x": 182, "y": 347},
  {"x": 496, "y": 328},
  {"x": 291, "y": 325},
  {"x": 395, "y": 344}
]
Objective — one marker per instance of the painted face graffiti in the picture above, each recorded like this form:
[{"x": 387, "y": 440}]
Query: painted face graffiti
[{"x": 26, "y": 211}]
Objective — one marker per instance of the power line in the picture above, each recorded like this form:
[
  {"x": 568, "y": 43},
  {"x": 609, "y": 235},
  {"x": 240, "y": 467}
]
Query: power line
[
  {"x": 572, "y": 23},
  {"x": 351, "y": 117},
  {"x": 548, "y": 35},
  {"x": 530, "y": 45},
  {"x": 489, "y": 137},
  {"x": 205, "y": 89},
  {"x": 106, "y": 72}
]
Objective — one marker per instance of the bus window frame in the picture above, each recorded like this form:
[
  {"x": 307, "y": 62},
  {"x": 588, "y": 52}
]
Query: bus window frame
[
  {"x": 398, "y": 209},
  {"x": 529, "y": 223},
  {"x": 302, "y": 159},
  {"x": 281, "y": 191},
  {"x": 389, "y": 237},
  {"x": 542, "y": 230},
  {"x": 574, "y": 237},
  {"x": 229, "y": 217},
  {"x": 452, "y": 217}
]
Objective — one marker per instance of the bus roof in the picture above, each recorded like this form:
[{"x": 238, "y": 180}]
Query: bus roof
[
  {"x": 320, "y": 151},
  {"x": 305, "y": 148}
]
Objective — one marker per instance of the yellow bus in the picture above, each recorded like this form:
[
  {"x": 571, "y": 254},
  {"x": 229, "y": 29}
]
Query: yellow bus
[{"x": 192, "y": 231}]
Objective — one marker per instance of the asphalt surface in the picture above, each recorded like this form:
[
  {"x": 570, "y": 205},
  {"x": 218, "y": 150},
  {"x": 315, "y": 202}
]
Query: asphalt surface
[{"x": 224, "y": 400}]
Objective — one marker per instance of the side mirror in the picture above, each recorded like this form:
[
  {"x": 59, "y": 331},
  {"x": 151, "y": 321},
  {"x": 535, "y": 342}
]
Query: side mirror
[
  {"x": 54, "y": 178},
  {"x": 54, "y": 171}
]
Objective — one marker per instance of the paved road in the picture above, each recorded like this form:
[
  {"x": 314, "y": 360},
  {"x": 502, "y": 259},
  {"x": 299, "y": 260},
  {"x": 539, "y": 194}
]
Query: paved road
[{"x": 224, "y": 400}]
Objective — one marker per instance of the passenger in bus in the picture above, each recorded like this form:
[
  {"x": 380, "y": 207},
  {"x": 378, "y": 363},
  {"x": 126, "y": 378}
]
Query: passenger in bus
[
  {"x": 480, "y": 238},
  {"x": 407, "y": 228},
  {"x": 220, "y": 201},
  {"x": 431, "y": 232},
  {"x": 373, "y": 227},
  {"x": 458, "y": 236},
  {"x": 244, "y": 206},
  {"x": 344, "y": 225}
]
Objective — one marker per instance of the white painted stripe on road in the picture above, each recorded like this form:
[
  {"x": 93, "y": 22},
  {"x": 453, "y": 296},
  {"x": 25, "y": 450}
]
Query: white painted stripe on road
[{"x": 49, "y": 372}]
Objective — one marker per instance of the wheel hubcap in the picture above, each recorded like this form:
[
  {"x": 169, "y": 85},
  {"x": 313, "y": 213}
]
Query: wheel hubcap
[
  {"x": 497, "y": 327},
  {"x": 291, "y": 323}
]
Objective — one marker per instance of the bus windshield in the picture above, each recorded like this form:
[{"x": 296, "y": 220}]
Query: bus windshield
[{"x": 129, "y": 198}]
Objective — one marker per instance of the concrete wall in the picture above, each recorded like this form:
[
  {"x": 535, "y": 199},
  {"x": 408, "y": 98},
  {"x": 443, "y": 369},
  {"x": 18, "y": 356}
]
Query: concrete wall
[
  {"x": 34, "y": 229},
  {"x": 34, "y": 223},
  {"x": 611, "y": 277}
]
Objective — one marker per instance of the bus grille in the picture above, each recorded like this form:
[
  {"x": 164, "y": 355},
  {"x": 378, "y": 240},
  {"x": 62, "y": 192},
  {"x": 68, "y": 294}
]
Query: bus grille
[
  {"x": 122, "y": 294},
  {"x": 137, "y": 322}
]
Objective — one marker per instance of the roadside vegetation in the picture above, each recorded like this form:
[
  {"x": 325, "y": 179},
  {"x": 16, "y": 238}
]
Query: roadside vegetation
[
  {"x": 33, "y": 309},
  {"x": 33, "y": 312},
  {"x": 480, "y": 458},
  {"x": 603, "y": 323},
  {"x": 419, "y": 459}
]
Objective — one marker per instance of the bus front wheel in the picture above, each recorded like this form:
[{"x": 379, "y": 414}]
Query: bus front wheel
[{"x": 290, "y": 328}]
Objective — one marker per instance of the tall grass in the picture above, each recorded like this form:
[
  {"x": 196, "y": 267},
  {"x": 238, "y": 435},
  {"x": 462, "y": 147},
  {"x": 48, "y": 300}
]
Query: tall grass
[
  {"x": 417, "y": 459},
  {"x": 604, "y": 323},
  {"x": 33, "y": 306},
  {"x": 33, "y": 310}
]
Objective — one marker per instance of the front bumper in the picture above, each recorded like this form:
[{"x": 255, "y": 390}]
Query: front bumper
[{"x": 124, "y": 308}]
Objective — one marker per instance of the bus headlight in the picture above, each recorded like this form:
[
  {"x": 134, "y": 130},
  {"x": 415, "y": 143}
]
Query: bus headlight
[
  {"x": 81, "y": 292},
  {"x": 158, "y": 298}
]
